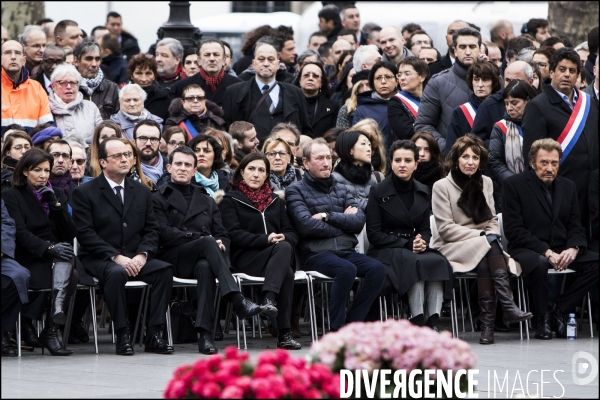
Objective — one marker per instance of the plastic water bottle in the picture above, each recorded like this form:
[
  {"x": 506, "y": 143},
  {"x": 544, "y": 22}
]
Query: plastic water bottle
[{"x": 571, "y": 328}]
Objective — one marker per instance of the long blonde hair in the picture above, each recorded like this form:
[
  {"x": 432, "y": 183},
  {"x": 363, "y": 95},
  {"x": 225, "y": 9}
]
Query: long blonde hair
[
  {"x": 371, "y": 129},
  {"x": 352, "y": 102},
  {"x": 138, "y": 166}
]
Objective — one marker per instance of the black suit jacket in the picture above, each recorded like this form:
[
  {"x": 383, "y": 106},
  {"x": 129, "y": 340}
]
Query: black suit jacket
[
  {"x": 325, "y": 116},
  {"x": 238, "y": 105},
  {"x": 440, "y": 65},
  {"x": 176, "y": 90},
  {"x": 531, "y": 226},
  {"x": 107, "y": 228}
]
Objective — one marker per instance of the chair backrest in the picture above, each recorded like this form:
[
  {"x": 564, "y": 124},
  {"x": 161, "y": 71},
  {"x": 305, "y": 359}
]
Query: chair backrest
[{"x": 434, "y": 232}]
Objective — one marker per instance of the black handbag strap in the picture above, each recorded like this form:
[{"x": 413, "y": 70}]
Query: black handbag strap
[{"x": 260, "y": 101}]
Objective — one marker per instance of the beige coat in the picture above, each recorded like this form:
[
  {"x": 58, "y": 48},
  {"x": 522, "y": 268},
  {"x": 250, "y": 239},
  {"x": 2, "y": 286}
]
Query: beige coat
[{"x": 456, "y": 236}]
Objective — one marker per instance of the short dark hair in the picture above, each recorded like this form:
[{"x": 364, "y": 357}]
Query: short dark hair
[
  {"x": 238, "y": 129},
  {"x": 113, "y": 14},
  {"x": 593, "y": 40},
  {"x": 411, "y": 28},
  {"x": 434, "y": 148},
  {"x": 325, "y": 49},
  {"x": 30, "y": 160},
  {"x": 317, "y": 33},
  {"x": 191, "y": 87},
  {"x": 565, "y": 40},
  {"x": 237, "y": 175},
  {"x": 148, "y": 122},
  {"x": 225, "y": 44},
  {"x": 111, "y": 42},
  {"x": 266, "y": 40},
  {"x": 142, "y": 61},
  {"x": 43, "y": 21},
  {"x": 346, "y": 32},
  {"x": 461, "y": 145},
  {"x": 417, "y": 32},
  {"x": 533, "y": 25},
  {"x": 218, "y": 162},
  {"x": 189, "y": 51},
  {"x": 330, "y": 13},
  {"x": 486, "y": 70},
  {"x": 60, "y": 141},
  {"x": 61, "y": 27},
  {"x": 379, "y": 65},
  {"x": 551, "y": 41},
  {"x": 519, "y": 89},
  {"x": 345, "y": 142},
  {"x": 102, "y": 148},
  {"x": 207, "y": 41},
  {"x": 10, "y": 138},
  {"x": 516, "y": 44},
  {"x": 466, "y": 32},
  {"x": 420, "y": 67},
  {"x": 565, "y": 53},
  {"x": 184, "y": 150},
  {"x": 332, "y": 134},
  {"x": 403, "y": 144},
  {"x": 548, "y": 52},
  {"x": 286, "y": 126},
  {"x": 324, "y": 80},
  {"x": 170, "y": 131},
  {"x": 97, "y": 28}
]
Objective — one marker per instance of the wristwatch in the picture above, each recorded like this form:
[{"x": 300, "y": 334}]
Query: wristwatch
[{"x": 324, "y": 216}]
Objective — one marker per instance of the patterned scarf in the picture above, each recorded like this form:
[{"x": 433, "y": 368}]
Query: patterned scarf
[
  {"x": 513, "y": 149},
  {"x": 89, "y": 85},
  {"x": 154, "y": 172},
  {"x": 211, "y": 184},
  {"x": 213, "y": 82},
  {"x": 260, "y": 198},
  {"x": 282, "y": 182},
  {"x": 38, "y": 196},
  {"x": 63, "y": 182},
  {"x": 178, "y": 73}
]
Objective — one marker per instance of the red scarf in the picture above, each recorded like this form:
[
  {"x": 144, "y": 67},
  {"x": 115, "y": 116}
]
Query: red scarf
[
  {"x": 260, "y": 198},
  {"x": 178, "y": 74},
  {"x": 213, "y": 82}
]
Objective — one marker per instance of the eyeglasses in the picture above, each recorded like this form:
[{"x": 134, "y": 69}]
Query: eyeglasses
[
  {"x": 65, "y": 84},
  {"x": 65, "y": 156},
  {"x": 20, "y": 147},
  {"x": 176, "y": 143},
  {"x": 118, "y": 156},
  {"x": 49, "y": 62},
  {"x": 540, "y": 64},
  {"x": 400, "y": 75},
  {"x": 79, "y": 161},
  {"x": 274, "y": 154},
  {"x": 194, "y": 98},
  {"x": 145, "y": 139},
  {"x": 311, "y": 74},
  {"x": 382, "y": 77}
]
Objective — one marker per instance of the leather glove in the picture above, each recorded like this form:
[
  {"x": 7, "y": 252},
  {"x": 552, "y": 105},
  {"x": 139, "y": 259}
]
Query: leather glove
[
  {"x": 64, "y": 251},
  {"x": 49, "y": 195}
]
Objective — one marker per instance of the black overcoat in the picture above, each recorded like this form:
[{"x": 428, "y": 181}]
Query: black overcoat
[{"x": 325, "y": 116}]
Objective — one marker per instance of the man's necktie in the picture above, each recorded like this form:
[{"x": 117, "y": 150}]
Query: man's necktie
[
  {"x": 268, "y": 100},
  {"x": 118, "y": 194}
]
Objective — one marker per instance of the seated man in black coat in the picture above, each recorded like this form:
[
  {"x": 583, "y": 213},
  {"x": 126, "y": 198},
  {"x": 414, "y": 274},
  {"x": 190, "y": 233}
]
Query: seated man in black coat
[
  {"x": 542, "y": 226},
  {"x": 193, "y": 239},
  {"x": 118, "y": 233}
]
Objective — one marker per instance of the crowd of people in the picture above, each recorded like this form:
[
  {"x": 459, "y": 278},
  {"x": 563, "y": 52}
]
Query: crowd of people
[{"x": 182, "y": 163}]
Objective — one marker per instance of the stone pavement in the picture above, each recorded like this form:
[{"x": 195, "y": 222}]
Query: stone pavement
[{"x": 145, "y": 375}]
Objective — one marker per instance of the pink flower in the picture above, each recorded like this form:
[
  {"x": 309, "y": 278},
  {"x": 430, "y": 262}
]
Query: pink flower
[
  {"x": 210, "y": 390},
  {"x": 232, "y": 392},
  {"x": 265, "y": 370},
  {"x": 175, "y": 390}
]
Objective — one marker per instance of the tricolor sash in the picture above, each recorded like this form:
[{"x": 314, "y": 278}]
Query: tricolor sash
[
  {"x": 575, "y": 125},
  {"x": 409, "y": 102},
  {"x": 504, "y": 128},
  {"x": 469, "y": 110},
  {"x": 188, "y": 128}
]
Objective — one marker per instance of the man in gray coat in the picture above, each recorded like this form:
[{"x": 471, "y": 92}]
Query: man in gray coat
[{"x": 448, "y": 89}]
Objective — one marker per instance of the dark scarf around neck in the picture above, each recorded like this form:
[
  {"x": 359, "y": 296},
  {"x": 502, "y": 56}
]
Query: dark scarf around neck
[
  {"x": 63, "y": 182},
  {"x": 9, "y": 162},
  {"x": 472, "y": 200},
  {"x": 357, "y": 174},
  {"x": 427, "y": 171},
  {"x": 322, "y": 184}
]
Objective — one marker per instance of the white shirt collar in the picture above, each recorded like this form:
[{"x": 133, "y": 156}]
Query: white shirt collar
[
  {"x": 47, "y": 82},
  {"x": 261, "y": 85},
  {"x": 113, "y": 183},
  {"x": 566, "y": 98}
]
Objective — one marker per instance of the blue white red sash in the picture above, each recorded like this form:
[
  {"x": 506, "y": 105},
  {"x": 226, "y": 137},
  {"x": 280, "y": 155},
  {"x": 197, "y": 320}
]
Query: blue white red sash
[
  {"x": 189, "y": 128},
  {"x": 469, "y": 110},
  {"x": 409, "y": 102},
  {"x": 504, "y": 128},
  {"x": 575, "y": 125}
]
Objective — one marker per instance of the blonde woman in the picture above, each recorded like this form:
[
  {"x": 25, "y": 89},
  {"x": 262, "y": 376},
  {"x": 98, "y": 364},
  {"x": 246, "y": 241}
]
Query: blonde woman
[
  {"x": 360, "y": 83},
  {"x": 280, "y": 156}
]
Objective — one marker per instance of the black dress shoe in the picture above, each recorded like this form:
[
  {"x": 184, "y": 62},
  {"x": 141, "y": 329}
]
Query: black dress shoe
[
  {"x": 543, "y": 331},
  {"x": 559, "y": 325},
  {"x": 270, "y": 307},
  {"x": 158, "y": 345},
  {"x": 78, "y": 334},
  {"x": 206, "y": 345},
  {"x": 248, "y": 309},
  {"x": 8, "y": 350},
  {"x": 29, "y": 335},
  {"x": 287, "y": 342},
  {"x": 501, "y": 327},
  {"x": 219, "y": 333},
  {"x": 433, "y": 322},
  {"x": 124, "y": 347}
]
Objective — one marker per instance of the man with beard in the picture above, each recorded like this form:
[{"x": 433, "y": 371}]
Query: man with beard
[
  {"x": 263, "y": 101},
  {"x": 53, "y": 55},
  {"x": 94, "y": 86},
  {"x": 169, "y": 55},
  {"x": 60, "y": 176},
  {"x": 392, "y": 43},
  {"x": 146, "y": 135},
  {"x": 247, "y": 142}
]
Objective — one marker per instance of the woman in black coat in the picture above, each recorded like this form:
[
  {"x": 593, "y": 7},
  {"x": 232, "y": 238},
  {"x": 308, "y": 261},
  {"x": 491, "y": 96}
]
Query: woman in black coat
[
  {"x": 262, "y": 239},
  {"x": 398, "y": 230},
  {"x": 210, "y": 174},
  {"x": 45, "y": 233},
  {"x": 142, "y": 69},
  {"x": 430, "y": 168},
  {"x": 322, "y": 112}
]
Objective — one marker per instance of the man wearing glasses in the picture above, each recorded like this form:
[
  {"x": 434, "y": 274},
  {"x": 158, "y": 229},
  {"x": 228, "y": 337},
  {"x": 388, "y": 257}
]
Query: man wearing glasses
[
  {"x": 24, "y": 101},
  {"x": 146, "y": 135},
  {"x": 53, "y": 55},
  {"x": 119, "y": 236}
]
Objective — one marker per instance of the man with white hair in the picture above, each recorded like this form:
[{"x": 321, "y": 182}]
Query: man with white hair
[
  {"x": 33, "y": 40},
  {"x": 169, "y": 54},
  {"x": 132, "y": 111},
  {"x": 392, "y": 44},
  {"x": 365, "y": 57}
]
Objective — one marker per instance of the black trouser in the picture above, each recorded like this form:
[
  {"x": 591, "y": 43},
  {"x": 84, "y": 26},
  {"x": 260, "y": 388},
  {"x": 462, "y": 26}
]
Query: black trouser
[
  {"x": 483, "y": 267},
  {"x": 587, "y": 276},
  {"x": 202, "y": 259},
  {"x": 113, "y": 283},
  {"x": 11, "y": 304}
]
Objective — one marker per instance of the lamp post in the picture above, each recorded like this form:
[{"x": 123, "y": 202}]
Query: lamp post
[{"x": 179, "y": 25}]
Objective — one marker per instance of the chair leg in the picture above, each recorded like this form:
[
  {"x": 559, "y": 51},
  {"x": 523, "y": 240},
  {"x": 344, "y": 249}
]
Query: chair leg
[
  {"x": 462, "y": 307},
  {"x": 327, "y": 306},
  {"x": 67, "y": 328},
  {"x": 169, "y": 332},
  {"x": 103, "y": 314},
  {"x": 311, "y": 308},
  {"x": 93, "y": 309},
  {"x": 380, "y": 310},
  {"x": 323, "y": 309},
  {"x": 520, "y": 307},
  {"x": 217, "y": 306},
  {"x": 137, "y": 319},
  {"x": 524, "y": 292},
  {"x": 467, "y": 293},
  {"x": 590, "y": 315},
  {"x": 385, "y": 308},
  {"x": 19, "y": 335},
  {"x": 454, "y": 312}
]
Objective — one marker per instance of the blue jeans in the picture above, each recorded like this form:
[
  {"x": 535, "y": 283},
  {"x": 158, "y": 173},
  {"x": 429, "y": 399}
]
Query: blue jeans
[{"x": 344, "y": 269}]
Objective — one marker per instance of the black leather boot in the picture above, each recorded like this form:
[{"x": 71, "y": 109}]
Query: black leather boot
[
  {"x": 61, "y": 273},
  {"x": 28, "y": 333},
  {"x": 49, "y": 340},
  {"x": 543, "y": 330},
  {"x": 8, "y": 350},
  {"x": 512, "y": 313},
  {"x": 487, "y": 308}
]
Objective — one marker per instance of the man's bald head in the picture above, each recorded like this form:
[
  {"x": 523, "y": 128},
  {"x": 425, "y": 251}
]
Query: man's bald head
[
  {"x": 518, "y": 70},
  {"x": 338, "y": 47},
  {"x": 13, "y": 59},
  {"x": 501, "y": 32},
  {"x": 394, "y": 30},
  {"x": 454, "y": 26},
  {"x": 392, "y": 43}
]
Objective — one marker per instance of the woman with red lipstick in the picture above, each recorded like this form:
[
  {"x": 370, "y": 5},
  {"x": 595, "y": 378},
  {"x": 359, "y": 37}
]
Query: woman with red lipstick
[
  {"x": 398, "y": 229},
  {"x": 468, "y": 231}
]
